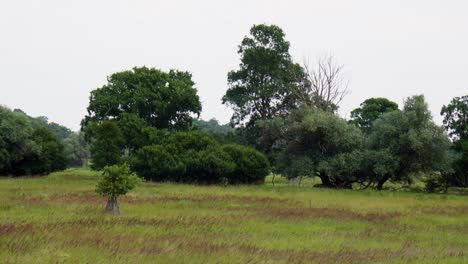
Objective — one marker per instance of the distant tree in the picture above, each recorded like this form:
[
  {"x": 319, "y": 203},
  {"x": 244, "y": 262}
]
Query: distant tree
[
  {"x": 107, "y": 145},
  {"x": 456, "y": 117},
  {"x": 370, "y": 110},
  {"x": 212, "y": 126},
  {"x": 456, "y": 123},
  {"x": 50, "y": 157},
  {"x": 411, "y": 142},
  {"x": 61, "y": 132},
  {"x": 115, "y": 181},
  {"x": 164, "y": 100},
  {"x": 15, "y": 139},
  {"x": 76, "y": 149},
  {"x": 262, "y": 88},
  {"x": 324, "y": 86}
]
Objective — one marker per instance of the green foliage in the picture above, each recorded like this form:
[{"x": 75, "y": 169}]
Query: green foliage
[
  {"x": 262, "y": 88},
  {"x": 196, "y": 157},
  {"x": 456, "y": 117},
  {"x": 116, "y": 180},
  {"x": 316, "y": 142},
  {"x": 59, "y": 131},
  {"x": 49, "y": 157},
  {"x": 162, "y": 100},
  {"x": 76, "y": 150},
  {"x": 435, "y": 182},
  {"x": 158, "y": 163},
  {"x": 251, "y": 166},
  {"x": 106, "y": 148},
  {"x": 15, "y": 139},
  {"x": 212, "y": 126},
  {"x": 371, "y": 109},
  {"x": 456, "y": 123},
  {"x": 26, "y": 149},
  {"x": 411, "y": 139}
]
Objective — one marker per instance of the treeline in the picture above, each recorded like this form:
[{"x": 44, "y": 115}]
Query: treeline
[
  {"x": 285, "y": 121},
  {"x": 284, "y": 110},
  {"x": 35, "y": 146}
]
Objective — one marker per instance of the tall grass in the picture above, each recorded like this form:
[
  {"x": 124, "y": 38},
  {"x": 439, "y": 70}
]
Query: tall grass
[{"x": 60, "y": 219}]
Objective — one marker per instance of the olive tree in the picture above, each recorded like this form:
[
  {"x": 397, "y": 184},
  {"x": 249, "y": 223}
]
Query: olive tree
[
  {"x": 115, "y": 181},
  {"x": 407, "y": 142},
  {"x": 319, "y": 143}
]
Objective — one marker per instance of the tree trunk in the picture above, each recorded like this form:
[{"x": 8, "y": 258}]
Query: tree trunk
[
  {"x": 273, "y": 179},
  {"x": 382, "y": 181},
  {"x": 113, "y": 206},
  {"x": 325, "y": 180}
]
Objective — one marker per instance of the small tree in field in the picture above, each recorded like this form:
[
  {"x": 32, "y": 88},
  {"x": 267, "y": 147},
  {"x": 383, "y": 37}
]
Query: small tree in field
[{"x": 116, "y": 180}]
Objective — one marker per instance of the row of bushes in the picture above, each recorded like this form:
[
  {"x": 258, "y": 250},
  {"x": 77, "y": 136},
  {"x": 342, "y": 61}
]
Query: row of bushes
[{"x": 195, "y": 157}]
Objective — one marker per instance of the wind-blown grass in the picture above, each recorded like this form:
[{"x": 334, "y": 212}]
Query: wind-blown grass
[{"x": 60, "y": 219}]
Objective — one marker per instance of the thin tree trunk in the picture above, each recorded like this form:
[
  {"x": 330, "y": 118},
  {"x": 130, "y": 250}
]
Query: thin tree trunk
[
  {"x": 113, "y": 206},
  {"x": 300, "y": 180},
  {"x": 273, "y": 179}
]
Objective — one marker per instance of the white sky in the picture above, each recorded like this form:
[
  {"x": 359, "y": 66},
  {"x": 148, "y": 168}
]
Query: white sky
[{"x": 54, "y": 52}]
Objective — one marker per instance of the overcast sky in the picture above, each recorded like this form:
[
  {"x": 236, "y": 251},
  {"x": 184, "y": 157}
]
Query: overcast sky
[{"x": 54, "y": 52}]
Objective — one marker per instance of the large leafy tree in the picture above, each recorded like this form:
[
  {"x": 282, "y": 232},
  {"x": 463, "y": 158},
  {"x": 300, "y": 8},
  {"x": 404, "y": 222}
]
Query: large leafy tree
[
  {"x": 456, "y": 122},
  {"x": 164, "y": 100},
  {"x": 261, "y": 88},
  {"x": 319, "y": 143},
  {"x": 405, "y": 143},
  {"x": 370, "y": 110}
]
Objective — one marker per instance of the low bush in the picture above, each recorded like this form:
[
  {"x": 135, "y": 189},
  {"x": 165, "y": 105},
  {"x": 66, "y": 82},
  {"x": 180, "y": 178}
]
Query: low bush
[
  {"x": 251, "y": 166},
  {"x": 195, "y": 157}
]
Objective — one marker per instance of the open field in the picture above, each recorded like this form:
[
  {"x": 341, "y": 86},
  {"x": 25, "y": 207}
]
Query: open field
[{"x": 59, "y": 219}]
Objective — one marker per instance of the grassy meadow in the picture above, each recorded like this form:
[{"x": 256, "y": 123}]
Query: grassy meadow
[{"x": 60, "y": 219}]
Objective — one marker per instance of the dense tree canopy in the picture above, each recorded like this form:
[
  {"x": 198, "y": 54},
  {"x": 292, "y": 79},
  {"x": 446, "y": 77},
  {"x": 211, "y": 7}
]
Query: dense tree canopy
[
  {"x": 196, "y": 157},
  {"x": 107, "y": 146},
  {"x": 27, "y": 148},
  {"x": 456, "y": 122},
  {"x": 456, "y": 117},
  {"x": 370, "y": 110},
  {"x": 318, "y": 143},
  {"x": 411, "y": 141},
  {"x": 15, "y": 139},
  {"x": 164, "y": 100},
  {"x": 262, "y": 88}
]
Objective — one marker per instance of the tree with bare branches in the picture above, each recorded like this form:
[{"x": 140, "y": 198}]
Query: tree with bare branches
[{"x": 324, "y": 86}]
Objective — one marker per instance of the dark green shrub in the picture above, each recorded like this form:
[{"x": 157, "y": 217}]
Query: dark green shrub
[
  {"x": 192, "y": 140},
  {"x": 46, "y": 157},
  {"x": 158, "y": 163},
  {"x": 106, "y": 148},
  {"x": 251, "y": 166},
  {"x": 209, "y": 166},
  {"x": 436, "y": 183}
]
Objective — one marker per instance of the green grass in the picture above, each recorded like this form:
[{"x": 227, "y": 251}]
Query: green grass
[{"x": 59, "y": 219}]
